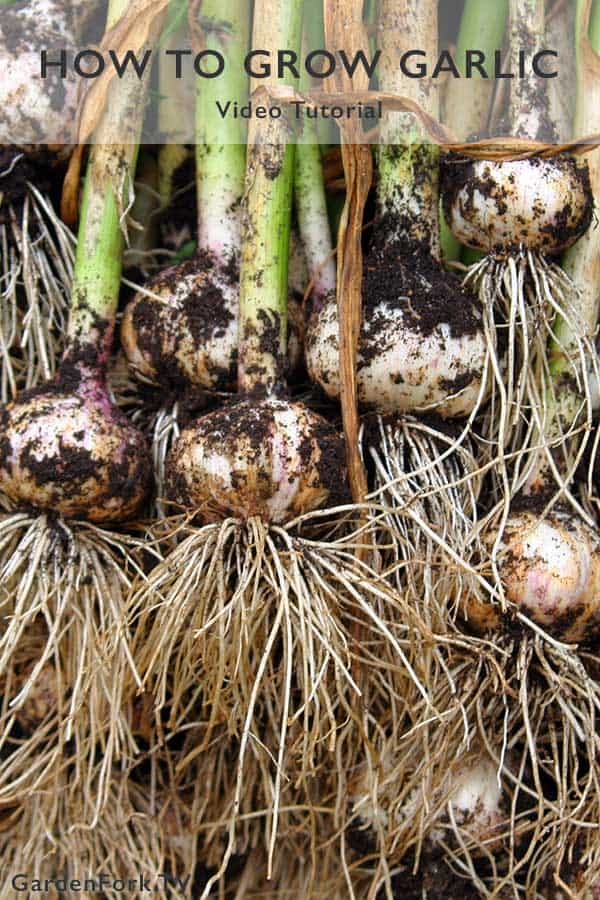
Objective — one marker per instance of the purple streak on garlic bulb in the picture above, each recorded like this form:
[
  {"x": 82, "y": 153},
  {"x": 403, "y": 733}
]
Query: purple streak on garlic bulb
[
  {"x": 269, "y": 458},
  {"x": 550, "y": 569},
  {"x": 65, "y": 447}
]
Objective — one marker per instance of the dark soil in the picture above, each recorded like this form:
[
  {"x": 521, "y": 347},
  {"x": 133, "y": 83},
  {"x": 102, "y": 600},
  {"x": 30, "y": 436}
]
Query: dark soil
[
  {"x": 436, "y": 881},
  {"x": 331, "y": 465},
  {"x": 405, "y": 276},
  {"x": 203, "y": 314},
  {"x": 149, "y": 337},
  {"x": 268, "y": 333},
  {"x": 40, "y": 169},
  {"x": 70, "y": 465},
  {"x": 206, "y": 314},
  {"x": 179, "y": 222},
  {"x": 5, "y": 444},
  {"x": 535, "y": 502},
  {"x": 125, "y": 475}
]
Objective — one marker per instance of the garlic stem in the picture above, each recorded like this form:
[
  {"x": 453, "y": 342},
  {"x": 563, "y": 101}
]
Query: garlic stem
[
  {"x": 407, "y": 194},
  {"x": 220, "y": 142},
  {"x": 106, "y": 197},
  {"x": 311, "y": 208},
  {"x": 171, "y": 155},
  {"x": 482, "y": 25},
  {"x": 529, "y": 103},
  {"x": 265, "y": 247}
]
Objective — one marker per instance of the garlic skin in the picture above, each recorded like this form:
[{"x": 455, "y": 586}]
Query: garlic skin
[
  {"x": 188, "y": 331},
  {"x": 74, "y": 454},
  {"x": 296, "y": 335},
  {"x": 35, "y": 110},
  {"x": 369, "y": 802},
  {"x": 538, "y": 204},
  {"x": 399, "y": 368},
  {"x": 550, "y": 569},
  {"x": 269, "y": 458},
  {"x": 476, "y": 800},
  {"x": 480, "y": 614}
]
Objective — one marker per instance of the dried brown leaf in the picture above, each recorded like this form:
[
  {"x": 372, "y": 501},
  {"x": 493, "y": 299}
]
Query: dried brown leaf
[
  {"x": 496, "y": 148},
  {"x": 137, "y": 28},
  {"x": 344, "y": 27}
]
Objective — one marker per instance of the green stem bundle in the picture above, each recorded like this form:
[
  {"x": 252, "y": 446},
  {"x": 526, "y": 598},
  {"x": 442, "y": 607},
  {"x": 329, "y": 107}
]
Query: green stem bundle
[
  {"x": 220, "y": 142},
  {"x": 468, "y": 99},
  {"x": 170, "y": 155},
  {"x": 106, "y": 197},
  {"x": 311, "y": 201},
  {"x": 264, "y": 269}
]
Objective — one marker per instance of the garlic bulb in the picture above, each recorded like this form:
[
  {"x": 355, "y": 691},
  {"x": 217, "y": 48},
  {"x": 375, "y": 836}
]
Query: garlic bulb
[
  {"x": 269, "y": 458},
  {"x": 36, "y": 110},
  {"x": 550, "y": 569},
  {"x": 184, "y": 326},
  {"x": 537, "y": 204},
  {"x": 75, "y": 454},
  {"x": 476, "y": 800},
  {"x": 421, "y": 344}
]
